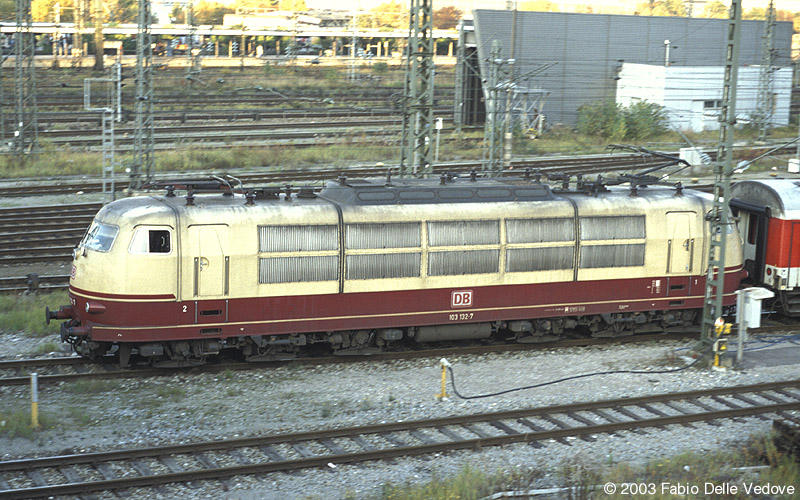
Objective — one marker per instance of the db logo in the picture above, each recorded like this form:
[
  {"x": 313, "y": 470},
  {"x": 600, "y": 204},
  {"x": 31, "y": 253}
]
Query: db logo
[{"x": 461, "y": 298}]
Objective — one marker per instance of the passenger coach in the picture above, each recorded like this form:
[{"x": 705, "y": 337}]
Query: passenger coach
[{"x": 769, "y": 218}]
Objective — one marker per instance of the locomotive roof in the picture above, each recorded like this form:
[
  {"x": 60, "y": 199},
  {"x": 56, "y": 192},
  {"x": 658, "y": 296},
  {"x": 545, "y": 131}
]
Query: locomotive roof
[
  {"x": 473, "y": 195},
  {"x": 780, "y": 196},
  {"x": 426, "y": 191}
]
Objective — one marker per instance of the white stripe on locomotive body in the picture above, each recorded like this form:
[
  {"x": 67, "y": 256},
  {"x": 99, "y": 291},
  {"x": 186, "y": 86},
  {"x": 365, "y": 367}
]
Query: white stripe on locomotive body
[{"x": 425, "y": 246}]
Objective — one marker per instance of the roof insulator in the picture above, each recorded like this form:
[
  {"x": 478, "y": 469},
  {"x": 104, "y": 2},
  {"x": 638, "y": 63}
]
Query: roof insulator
[
  {"x": 473, "y": 176},
  {"x": 170, "y": 191},
  {"x": 306, "y": 192},
  {"x": 251, "y": 198},
  {"x": 288, "y": 191}
]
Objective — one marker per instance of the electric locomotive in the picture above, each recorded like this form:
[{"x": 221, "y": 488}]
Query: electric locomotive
[{"x": 364, "y": 264}]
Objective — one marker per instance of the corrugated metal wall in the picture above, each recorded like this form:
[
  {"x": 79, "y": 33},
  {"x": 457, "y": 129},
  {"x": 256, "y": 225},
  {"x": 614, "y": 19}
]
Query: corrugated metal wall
[{"x": 589, "y": 49}]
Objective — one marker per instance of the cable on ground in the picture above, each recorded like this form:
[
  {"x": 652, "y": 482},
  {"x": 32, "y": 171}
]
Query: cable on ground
[{"x": 574, "y": 377}]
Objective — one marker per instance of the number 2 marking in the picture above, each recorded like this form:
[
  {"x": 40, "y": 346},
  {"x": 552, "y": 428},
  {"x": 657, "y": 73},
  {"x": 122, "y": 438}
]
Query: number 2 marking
[{"x": 184, "y": 308}]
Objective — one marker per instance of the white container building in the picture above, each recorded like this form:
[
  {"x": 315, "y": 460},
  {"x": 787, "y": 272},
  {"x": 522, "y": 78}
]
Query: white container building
[{"x": 692, "y": 95}]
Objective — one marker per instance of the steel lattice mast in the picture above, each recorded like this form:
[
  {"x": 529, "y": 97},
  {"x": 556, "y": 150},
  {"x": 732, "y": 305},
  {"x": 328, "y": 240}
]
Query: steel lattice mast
[
  {"x": 26, "y": 131},
  {"x": 765, "y": 77},
  {"x": 493, "y": 135},
  {"x": 416, "y": 152},
  {"x": 719, "y": 219},
  {"x": 143, "y": 144}
]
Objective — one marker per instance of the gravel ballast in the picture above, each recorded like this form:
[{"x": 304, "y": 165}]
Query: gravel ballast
[{"x": 189, "y": 406}]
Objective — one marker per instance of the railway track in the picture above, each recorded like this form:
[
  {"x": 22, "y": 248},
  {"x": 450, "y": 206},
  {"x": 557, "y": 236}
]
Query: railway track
[
  {"x": 122, "y": 470},
  {"x": 583, "y": 164},
  {"x": 71, "y": 369},
  {"x": 49, "y": 234},
  {"x": 228, "y": 115},
  {"x": 267, "y": 134}
]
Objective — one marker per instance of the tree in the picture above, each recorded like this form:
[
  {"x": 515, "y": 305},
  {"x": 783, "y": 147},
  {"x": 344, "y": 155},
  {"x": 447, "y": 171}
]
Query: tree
[
  {"x": 675, "y": 8},
  {"x": 178, "y": 15},
  {"x": 210, "y": 12},
  {"x": 292, "y": 5},
  {"x": 716, "y": 10},
  {"x": 121, "y": 11},
  {"x": 446, "y": 18},
  {"x": 392, "y": 15},
  {"x": 538, "y": 6},
  {"x": 8, "y": 10},
  {"x": 44, "y": 11}
]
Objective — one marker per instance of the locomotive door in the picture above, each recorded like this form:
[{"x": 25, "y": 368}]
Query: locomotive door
[
  {"x": 680, "y": 242},
  {"x": 208, "y": 245}
]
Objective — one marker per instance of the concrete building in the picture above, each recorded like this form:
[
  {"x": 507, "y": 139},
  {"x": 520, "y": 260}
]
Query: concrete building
[
  {"x": 589, "y": 50},
  {"x": 692, "y": 96}
]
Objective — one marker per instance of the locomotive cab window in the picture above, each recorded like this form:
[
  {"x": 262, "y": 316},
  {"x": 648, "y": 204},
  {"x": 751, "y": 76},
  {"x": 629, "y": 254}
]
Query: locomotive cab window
[
  {"x": 100, "y": 237},
  {"x": 151, "y": 240}
]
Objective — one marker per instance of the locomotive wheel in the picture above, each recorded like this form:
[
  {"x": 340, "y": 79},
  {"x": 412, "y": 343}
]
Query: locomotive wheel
[{"x": 271, "y": 354}]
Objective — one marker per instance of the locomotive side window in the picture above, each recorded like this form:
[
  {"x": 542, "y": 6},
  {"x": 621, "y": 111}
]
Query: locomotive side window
[
  {"x": 148, "y": 240},
  {"x": 100, "y": 237}
]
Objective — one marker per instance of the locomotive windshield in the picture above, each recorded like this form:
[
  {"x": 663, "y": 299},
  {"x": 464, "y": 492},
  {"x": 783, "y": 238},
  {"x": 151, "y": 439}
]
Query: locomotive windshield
[{"x": 100, "y": 237}]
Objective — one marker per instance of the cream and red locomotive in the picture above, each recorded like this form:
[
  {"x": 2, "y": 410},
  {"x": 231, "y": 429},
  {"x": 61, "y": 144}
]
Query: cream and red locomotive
[{"x": 364, "y": 264}]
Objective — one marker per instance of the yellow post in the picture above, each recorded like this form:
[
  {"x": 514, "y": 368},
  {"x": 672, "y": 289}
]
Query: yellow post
[
  {"x": 442, "y": 396},
  {"x": 35, "y": 400}
]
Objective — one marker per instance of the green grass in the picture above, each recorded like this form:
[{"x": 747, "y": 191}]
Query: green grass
[
  {"x": 18, "y": 423},
  {"x": 93, "y": 386},
  {"x": 25, "y": 313},
  {"x": 584, "y": 474},
  {"x": 469, "y": 484},
  {"x": 46, "y": 348},
  {"x": 159, "y": 395}
]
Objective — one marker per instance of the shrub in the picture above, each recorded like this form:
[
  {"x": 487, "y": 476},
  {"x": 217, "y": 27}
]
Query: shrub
[
  {"x": 610, "y": 120},
  {"x": 604, "y": 119}
]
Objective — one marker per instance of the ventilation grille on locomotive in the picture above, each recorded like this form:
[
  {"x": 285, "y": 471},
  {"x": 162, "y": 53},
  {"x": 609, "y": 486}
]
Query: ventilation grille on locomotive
[
  {"x": 382, "y": 266},
  {"x": 458, "y": 233},
  {"x": 626, "y": 227},
  {"x": 398, "y": 235},
  {"x": 593, "y": 256},
  {"x": 520, "y": 260},
  {"x": 464, "y": 262},
  {"x": 297, "y": 238},
  {"x": 296, "y": 269},
  {"x": 539, "y": 230}
]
